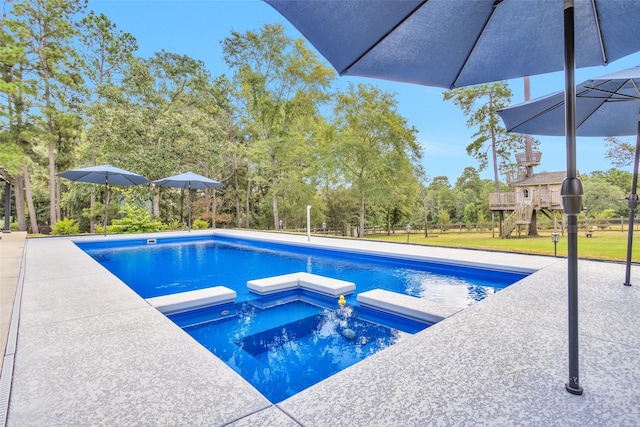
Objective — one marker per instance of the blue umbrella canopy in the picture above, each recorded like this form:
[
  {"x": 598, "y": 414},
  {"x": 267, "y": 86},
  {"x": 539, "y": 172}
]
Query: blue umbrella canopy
[
  {"x": 107, "y": 175},
  {"x": 188, "y": 180},
  {"x": 104, "y": 174},
  {"x": 605, "y": 106},
  {"x": 453, "y": 43}
]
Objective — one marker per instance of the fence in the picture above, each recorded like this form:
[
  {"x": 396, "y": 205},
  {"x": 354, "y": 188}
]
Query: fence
[{"x": 620, "y": 224}]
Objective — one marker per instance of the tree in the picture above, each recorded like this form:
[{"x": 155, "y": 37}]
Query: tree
[
  {"x": 440, "y": 197},
  {"x": 600, "y": 196},
  {"x": 621, "y": 153},
  {"x": 16, "y": 91},
  {"x": 481, "y": 103},
  {"x": 372, "y": 144},
  {"x": 280, "y": 83},
  {"x": 616, "y": 177},
  {"x": 106, "y": 53},
  {"x": 161, "y": 121},
  {"x": 47, "y": 32}
]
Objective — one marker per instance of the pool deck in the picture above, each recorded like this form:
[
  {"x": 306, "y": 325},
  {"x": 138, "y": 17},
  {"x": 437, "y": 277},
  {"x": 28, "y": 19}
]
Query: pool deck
[{"x": 89, "y": 351}]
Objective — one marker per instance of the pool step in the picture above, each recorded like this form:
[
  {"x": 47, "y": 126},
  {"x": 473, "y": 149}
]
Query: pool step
[
  {"x": 191, "y": 300},
  {"x": 311, "y": 282},
  {"x": 406, "y": 305}
]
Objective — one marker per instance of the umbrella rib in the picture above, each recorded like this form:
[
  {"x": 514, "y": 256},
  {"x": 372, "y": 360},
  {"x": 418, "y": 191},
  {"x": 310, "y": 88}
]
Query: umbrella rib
[
  {"x": 541, "y": 113},
  {"x": 601, "y": 104},
  {"x": 623, "y": 96},
  {"x": 466, "y": 60},
  {"x": 381, "y": 39},
  {"x": 633, "y": 82},
  {"x": 597, "y": 22}
]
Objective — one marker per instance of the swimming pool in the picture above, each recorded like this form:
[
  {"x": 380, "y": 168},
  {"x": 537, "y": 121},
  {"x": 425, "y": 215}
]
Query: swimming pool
[
  {"x": 285, "y": 342},
  {"x": 174, "y": 265}
]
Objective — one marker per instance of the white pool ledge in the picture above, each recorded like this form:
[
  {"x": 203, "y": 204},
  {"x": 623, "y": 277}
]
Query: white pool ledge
[
  {"x": 192, "y": 300},
  {"x": 311, "y": 282},
  {"x": 406, "y": 305}
]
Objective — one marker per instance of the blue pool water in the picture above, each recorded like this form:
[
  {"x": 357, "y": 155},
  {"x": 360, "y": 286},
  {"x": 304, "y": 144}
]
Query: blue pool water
[
  {"x": 283, "y": 345},
  {"x": 173, "y": 266},
  {"x": 286, "y": 342}
]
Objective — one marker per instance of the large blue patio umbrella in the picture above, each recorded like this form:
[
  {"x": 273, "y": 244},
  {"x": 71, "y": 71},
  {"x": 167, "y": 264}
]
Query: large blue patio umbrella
[
  {"x": 107, "y": 175},
  {"x": 605, "y": 106},
  {"x": 453, "y": 43},
  {"x": 188, "y": 180}
]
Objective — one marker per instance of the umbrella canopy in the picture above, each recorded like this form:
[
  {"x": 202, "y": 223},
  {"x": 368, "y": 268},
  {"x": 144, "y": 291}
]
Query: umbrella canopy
[
  {"x": 188, "y": 180},
  {"x": 104, "y": 174},
  {"x": 606, "y": 106},
  {"x": 452, "y": 43}
]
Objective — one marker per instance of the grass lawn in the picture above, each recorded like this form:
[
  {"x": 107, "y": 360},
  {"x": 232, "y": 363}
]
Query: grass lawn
[{"x": 603, "y": 245}]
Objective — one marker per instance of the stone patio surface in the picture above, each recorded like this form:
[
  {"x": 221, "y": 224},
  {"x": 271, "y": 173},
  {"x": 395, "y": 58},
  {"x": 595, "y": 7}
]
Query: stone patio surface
[{"x": 89, "y": 351}]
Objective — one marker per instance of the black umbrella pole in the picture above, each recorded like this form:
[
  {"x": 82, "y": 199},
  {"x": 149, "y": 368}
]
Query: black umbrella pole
[
  {"x": 571, "y": 192},
  {"x": 633, "y": 202},
  {"x": 106, "y": 209}
]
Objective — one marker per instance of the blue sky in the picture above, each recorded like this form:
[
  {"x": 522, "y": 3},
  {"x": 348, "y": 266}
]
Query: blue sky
[{"x": 195, "y": 28}]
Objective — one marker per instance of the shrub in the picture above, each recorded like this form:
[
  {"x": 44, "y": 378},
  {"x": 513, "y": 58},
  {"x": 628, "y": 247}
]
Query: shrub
[
  {"x": 200, "y": 224},
  {"x": 136, "y": 220},
  {"x": 65, "y": 226}
]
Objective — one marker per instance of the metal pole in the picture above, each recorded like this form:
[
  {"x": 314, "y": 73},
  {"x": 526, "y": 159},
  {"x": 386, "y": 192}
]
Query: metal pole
[
  {"x": 308, "y": 223},
  {"x": 106, "y": 204},
  {"x": 7, "y": 208},
  {"x": 633, "y": 202},
  {"x": 571, "y": 192},
  {"x": 189, "y": 206}
]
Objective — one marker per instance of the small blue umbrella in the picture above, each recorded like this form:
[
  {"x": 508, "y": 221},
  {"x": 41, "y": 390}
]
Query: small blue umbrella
[
  {"x": 605, "y": 106},
  {"x": 188, "y": 180},
  {"x": 104, "y": 174}
]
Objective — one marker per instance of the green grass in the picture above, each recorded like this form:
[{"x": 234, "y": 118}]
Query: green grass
[{"x": 604, "y": 245}]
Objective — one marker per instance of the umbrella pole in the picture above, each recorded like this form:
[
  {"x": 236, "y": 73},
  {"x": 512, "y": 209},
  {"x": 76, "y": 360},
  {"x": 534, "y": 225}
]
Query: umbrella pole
[
  {"x": 571, "y": 192},
  {"x": 189, "y": 206},
  {"x": 633, "y": 202},
  {"x": 106, "y": 207}
]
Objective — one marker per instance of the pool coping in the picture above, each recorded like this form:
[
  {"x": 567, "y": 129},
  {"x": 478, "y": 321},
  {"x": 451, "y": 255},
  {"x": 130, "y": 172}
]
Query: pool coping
[{"x": 501, "y": 361}]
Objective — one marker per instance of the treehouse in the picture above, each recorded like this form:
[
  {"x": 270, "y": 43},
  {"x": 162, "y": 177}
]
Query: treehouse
[{"x": 532, "y": 193}]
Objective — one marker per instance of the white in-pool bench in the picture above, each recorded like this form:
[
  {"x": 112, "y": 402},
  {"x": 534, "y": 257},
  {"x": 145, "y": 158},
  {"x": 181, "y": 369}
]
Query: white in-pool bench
[
  {"x": 311, "y": 282},
  {"x": 406, "y": 306},
  {"x": 192, "y": 300}
]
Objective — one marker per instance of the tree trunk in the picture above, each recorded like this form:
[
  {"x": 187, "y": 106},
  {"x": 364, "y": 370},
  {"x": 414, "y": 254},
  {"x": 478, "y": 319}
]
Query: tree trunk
[
  {"x": 388, "y": 221},
  {"x": 246, "y": 204},
  {"x": 361, "y": 226},
  {"x": 274, "y": 203},
  {"x": 92, "y": 200},
  {"x": 32, "y": 211},
  {"x": 248, "y": 196},
  {"x": 426, "y": 224},
  {"x": 528, "y": 140},
  {"x": 58, "y": 198},
  {"x": 156, "y": 201},
  {"x": 533, "y": 225},
  {"x": 213, "y": 209},
  {"x": 19, "y": 196},
  {"x": 236, "y": 184},
  {"x": 52, "y": 186}
]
